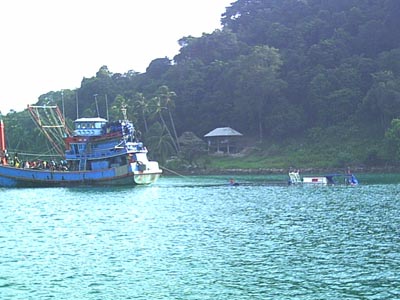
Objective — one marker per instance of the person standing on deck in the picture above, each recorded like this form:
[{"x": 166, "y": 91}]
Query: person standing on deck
[{"x": 17, "y": 162}]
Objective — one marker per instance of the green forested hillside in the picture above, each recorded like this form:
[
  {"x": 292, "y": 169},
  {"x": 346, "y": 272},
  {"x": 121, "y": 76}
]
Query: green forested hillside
[{"x": 306, "y": 76}]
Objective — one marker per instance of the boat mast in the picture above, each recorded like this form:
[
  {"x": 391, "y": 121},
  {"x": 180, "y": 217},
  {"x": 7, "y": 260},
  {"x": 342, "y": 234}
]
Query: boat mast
[
  {"x": 77, "y": 105},
  {"x": 97, "y": 106},
  {"x": 123, "y": 110},
  {"x": 108, "y": 117},
  {"x": 2, "y": 143}
]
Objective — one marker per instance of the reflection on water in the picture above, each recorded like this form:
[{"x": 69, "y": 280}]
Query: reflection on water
[{"x": 199, "y": 238}]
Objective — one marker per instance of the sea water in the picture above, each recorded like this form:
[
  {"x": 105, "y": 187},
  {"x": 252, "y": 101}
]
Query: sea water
[{"x": 200, "y": 238}]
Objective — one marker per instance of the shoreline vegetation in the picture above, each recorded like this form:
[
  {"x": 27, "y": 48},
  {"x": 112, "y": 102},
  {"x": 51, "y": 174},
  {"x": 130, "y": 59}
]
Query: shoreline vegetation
[
  {"x": 215, "y": 168},
  {"x": 275, "y": 159}
]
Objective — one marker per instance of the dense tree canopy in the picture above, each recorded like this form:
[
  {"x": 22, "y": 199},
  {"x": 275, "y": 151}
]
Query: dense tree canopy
[{"x": 277, "y": 69}]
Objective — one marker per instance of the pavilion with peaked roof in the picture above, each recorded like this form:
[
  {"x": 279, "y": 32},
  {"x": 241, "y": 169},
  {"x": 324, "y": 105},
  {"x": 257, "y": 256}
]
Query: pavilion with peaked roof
[{"x": 222, "y": 137}]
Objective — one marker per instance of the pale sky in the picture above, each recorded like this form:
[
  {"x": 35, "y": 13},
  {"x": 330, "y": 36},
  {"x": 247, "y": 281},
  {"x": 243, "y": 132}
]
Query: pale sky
[{"x": 49, "y": 45}]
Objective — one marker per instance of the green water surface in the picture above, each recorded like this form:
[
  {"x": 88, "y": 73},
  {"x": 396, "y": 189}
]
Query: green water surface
[{"x": 199, "y": 238}]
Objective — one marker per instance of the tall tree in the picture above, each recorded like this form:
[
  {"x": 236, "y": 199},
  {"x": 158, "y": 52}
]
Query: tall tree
[
  {"x": 143, "y": 104},
  {"x": 257, "y": 84},
  {"x": 382, "y": 102},
  {"x": 166, "y": 96},
  {"x": 159, "y": 142},
  {"x": 158, "y": 109}
]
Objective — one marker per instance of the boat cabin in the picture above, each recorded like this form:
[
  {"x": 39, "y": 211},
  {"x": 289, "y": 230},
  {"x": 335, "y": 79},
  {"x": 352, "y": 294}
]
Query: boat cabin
[
  {"x": 98, "y": 144},
  {"x": 89, "y": 126}
]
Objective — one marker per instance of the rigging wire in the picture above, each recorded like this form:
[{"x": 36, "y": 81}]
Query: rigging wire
[{"x": 50, "y": 121}]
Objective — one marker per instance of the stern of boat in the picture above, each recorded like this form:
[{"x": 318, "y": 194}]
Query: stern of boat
[{"x": 146, "y": 173}]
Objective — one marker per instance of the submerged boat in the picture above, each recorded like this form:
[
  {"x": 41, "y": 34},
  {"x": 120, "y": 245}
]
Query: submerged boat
[
  {"x": 97, "y": 153},
  {"x": 329, "y": 179}
]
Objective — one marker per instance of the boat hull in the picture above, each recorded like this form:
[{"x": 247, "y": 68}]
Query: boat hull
[{"x": 118, "y": 176}]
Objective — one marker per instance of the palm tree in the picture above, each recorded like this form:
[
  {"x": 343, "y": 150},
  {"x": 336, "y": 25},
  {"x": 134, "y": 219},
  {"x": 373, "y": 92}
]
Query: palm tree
[
  {"x": 119, "y": 103},
  {"x": 143, "y": 104},
  {"x": 158, "y": 110},
  {"x": 160, "y": 142},
  {"x": 167, "y": 98}
]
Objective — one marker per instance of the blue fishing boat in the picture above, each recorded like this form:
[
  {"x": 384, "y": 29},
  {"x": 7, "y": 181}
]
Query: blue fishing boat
[{"x": 97, "y": 153}]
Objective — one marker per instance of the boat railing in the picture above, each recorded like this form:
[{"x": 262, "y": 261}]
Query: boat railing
[
  {"x": 101, "y": 153},
  {"x": 294, "y": 177},
  {"x": 109, "y": 151}
]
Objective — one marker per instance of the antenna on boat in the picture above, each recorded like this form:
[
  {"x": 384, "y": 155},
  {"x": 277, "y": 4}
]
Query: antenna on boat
[
  {"x": 123, "y": 110},
  {"x": 77, "y": 106},
  {"x": 97, "y": 106},
  {"x": 62, "y": 102},
  {"x": 107, "y": 107}
]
